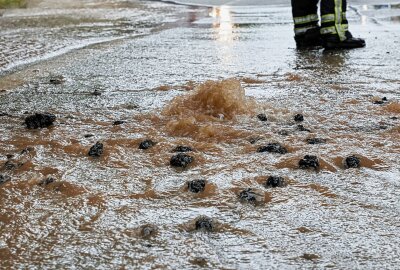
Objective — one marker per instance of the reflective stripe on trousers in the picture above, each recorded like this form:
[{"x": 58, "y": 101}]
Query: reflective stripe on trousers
[
  {"x": 302, "y": 30},
  {"x": 306, "y": 19},
  {"x": 333, "y": 30},
  {"x": 338, "y": 20},
  {"x": 327, "y": 18}
]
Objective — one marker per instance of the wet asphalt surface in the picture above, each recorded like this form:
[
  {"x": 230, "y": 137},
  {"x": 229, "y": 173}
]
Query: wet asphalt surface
[{"x": 92, "y": 215}]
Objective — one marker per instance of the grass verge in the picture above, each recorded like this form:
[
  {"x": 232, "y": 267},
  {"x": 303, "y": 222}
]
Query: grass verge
[{"x": 12, "y": 3}]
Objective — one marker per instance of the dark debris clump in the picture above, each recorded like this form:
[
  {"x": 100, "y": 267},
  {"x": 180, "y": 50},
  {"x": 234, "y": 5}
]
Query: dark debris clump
[
  {"x": 309, "y": 161},
  {"x": 275, "y": 181},
  {"x": 27, "y": 150},
  {"x": 181, "y": 160},
  {"x": 196, "y": 186},
  {"x": 12, "y": 165},
  {"x": 248, "y": 195},
  {"x": 262, "y": 117},
  {"x": 96, "y": 92},
  {"x": 58, "y": 79},
  {"x": 316, "y": 141},
  {"x": 146, "y": 144},
  {"x": 204, "y": 223},
  {"x": 299, "y": 117},
  {"x": 46, "y": 181},
  {"x": 253, "y": 140},
  {"x": 118, "y": 122},
  {"x": 40, "y": 120},
  {"x": 273, "y": 148},
  {"x": 4, "y": 178},
  {"x": 181, "y": 148},
  {"x": 283, "y": 132},
  {"x": 381, "y": 101},
  {"x": 352, "y": 162},
  {"x": 148, "y": 230},
  {"x": 302, "y": 128},
  {"x": 96, "y": 150}
]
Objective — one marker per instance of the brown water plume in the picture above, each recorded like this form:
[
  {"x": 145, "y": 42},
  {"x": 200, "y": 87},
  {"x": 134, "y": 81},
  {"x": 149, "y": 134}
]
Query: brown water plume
[
  {"x": 190, "y": 127},
  {"x": 209, "y": 111},
  {"x": 213, "y": 99}
]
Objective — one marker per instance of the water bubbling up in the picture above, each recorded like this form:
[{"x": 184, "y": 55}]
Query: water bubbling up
[
  {"x": 212, "y": 99},
  {"x": 205, "y": 113}
]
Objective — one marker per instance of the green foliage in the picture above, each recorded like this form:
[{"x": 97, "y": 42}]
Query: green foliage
[{"x": 12, "y": 3}]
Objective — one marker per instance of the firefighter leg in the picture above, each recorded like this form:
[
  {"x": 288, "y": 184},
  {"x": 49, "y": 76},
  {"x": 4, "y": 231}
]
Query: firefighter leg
[
  {"x": 306, "y": 27},
  {"x": 334, "y": 26}
]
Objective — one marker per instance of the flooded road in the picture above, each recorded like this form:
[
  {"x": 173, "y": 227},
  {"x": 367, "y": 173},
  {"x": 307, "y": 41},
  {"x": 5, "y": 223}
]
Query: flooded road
[{"x": 228, "y": 83}]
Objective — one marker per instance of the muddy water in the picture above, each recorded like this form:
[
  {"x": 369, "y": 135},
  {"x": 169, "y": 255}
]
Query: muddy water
[{"x": 202, "y": 85}]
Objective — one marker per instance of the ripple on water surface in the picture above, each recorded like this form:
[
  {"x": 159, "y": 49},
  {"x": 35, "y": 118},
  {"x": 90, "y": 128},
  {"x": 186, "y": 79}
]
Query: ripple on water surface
[{"x": 111, "y": 197}]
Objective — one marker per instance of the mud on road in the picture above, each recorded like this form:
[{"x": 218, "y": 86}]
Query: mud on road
[{"x": 196, "y": 92}]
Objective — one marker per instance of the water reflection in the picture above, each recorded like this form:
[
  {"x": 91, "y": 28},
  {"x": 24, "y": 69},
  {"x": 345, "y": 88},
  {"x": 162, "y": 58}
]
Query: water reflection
[
  {"x": 223, "y": 23},
  {"x": 224, "y": 33},
  {"x": 364, "y": 20},
  {"x": 321, "y": 63}
]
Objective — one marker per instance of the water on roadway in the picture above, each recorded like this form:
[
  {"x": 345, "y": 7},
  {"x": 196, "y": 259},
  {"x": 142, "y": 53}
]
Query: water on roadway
[{"x": 197, "y": 77}]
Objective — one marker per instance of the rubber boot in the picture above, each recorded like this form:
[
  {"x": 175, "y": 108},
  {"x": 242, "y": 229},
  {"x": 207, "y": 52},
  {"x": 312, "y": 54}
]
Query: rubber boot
[
  {"x": 311, "y": 38},
  {"x": 331, "y": 42}
]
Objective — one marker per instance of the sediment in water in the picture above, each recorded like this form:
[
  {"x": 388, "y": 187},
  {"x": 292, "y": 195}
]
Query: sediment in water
[
  {"x": 213, "y": 99},
  {"x": 203, "y": 113}
]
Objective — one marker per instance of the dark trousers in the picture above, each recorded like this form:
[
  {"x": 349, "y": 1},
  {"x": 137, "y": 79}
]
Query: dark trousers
[{"x": 333, "y": 16}]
